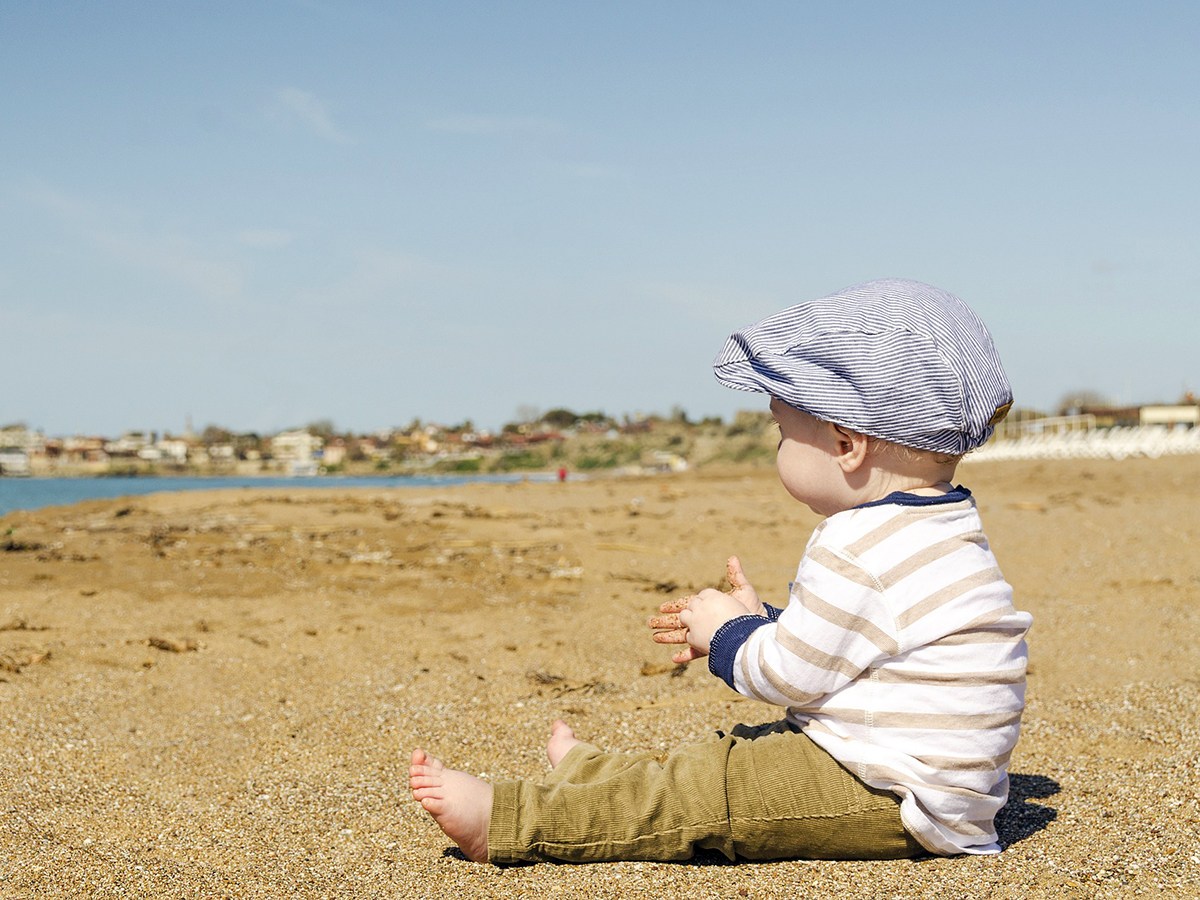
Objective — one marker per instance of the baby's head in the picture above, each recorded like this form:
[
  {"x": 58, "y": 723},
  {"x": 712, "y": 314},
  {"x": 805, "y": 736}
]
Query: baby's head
[{"x": 909, "y": 366}]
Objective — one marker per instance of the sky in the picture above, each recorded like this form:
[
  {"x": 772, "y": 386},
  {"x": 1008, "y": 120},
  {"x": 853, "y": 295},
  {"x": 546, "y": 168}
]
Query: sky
[{"x": 263, "y": 214}]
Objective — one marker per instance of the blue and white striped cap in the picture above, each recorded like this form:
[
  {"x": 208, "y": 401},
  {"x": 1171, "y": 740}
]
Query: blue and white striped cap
[{"x": 895, "y": 359}]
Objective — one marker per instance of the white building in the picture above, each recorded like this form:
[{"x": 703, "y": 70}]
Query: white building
[
  {"x": 297, "y": 451},
  {"x": 173, "y": 449},
  {"x": 14, "y": 462},
  {"x": 131, "y": 443},
  {"x": 1170, "y": 415},
  {"x": 289, "y": 445},
  {"x": 18, "y": 437}
]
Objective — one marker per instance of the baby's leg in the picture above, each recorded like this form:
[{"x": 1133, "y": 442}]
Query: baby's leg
[
  {"x": 562, "y": 740},
  {"x": 598, "y": 806},
  {"x": 762, "y": 793},
  {"x": 589, "y": 763},
  {"x": 461, "y": 804}
]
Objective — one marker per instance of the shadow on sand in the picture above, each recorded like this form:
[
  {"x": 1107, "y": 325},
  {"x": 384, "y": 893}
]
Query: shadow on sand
[{"x": 1019, "y": 819}]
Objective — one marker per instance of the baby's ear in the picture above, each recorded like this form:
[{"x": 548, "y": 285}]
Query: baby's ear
[{"x": 852, "y": 447}]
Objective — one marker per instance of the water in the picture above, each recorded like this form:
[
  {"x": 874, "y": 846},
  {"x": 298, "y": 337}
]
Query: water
[{"x": 35, "y": 493}]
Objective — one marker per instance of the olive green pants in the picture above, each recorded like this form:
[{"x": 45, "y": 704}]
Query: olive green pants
[{"x": 766, "y": 792}]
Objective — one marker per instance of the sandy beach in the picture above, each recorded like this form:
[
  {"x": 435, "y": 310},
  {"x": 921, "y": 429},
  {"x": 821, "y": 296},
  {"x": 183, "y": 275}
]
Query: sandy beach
[{"x": 214, "y": 694}]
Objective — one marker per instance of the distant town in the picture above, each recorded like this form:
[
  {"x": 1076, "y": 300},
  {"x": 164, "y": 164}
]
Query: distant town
[{"x": 555, "y": 440}]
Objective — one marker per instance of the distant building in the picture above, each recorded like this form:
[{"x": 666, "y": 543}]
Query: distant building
[
  {"x": 1170, "y": 415},
  {"x": 296, "y": 451},
  {"x": 1109, "y": 416},
  {"x": 173, "y": 449},
  {"x": 221, "y": 455},
  {"x": 14, "y": 462},
  {"x": 18, "y": 437},
  {"x": 132, "y": 443},
  {"x": 84, "y": 450},
  {"x": 334, "y": 453},
  {"x": 295, "y": 445}
]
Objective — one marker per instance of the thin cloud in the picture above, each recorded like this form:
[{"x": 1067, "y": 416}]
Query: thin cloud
[
  {"x": 118, "y": 234},
  {"x": 493, "y": 125},
  {"x": 310, "y": 112},
  {"x": 379, "y": 272},
  {"x": 594, "y": 171},
  {"x": 266, "y": 238},
  {"x": 379, "y": 279}
]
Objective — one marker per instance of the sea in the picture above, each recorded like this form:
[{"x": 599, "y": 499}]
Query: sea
[{"x": 36, "y": 493}]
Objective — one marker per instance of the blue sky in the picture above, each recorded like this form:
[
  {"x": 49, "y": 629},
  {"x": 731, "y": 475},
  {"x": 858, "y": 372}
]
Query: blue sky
[{"x": 260, "y": 214}]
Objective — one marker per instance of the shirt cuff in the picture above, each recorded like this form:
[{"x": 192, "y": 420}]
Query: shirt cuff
[{"x": 725, "y": 643}]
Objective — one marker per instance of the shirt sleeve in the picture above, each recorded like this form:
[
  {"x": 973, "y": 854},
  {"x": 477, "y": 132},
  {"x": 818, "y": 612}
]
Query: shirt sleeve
[
  {"x": 836, "y": 625},
  {"x": 728, "y": 639},
  {"x": 725, "y": 643}
]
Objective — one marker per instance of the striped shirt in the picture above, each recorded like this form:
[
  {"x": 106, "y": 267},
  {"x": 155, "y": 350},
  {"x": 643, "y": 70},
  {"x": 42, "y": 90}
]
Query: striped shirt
[{"x": 900, "y": 654}]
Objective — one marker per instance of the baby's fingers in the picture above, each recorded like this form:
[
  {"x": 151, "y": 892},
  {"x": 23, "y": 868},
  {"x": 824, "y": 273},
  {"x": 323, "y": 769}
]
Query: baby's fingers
[
  {"x": 735, "y": 573},
  {"x": 678, "y": 636},
  {"x": 670, "y": 621},
  {"x": 686, "y": 655},
  {"x": 676, "y": 605}
]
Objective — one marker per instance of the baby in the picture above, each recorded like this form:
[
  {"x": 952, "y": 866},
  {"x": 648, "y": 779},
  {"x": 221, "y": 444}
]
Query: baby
[{"x": 899, "y": 658}]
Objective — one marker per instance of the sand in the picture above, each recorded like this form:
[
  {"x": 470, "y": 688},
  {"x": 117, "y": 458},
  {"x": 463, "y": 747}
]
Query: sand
[{"x": 215, "y": 694}]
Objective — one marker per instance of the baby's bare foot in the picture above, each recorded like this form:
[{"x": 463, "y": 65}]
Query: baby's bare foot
[
  {"x": 461, "y": 804},
  {"x": 562, "y": 739}
]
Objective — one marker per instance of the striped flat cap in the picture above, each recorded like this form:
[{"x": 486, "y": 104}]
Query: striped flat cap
[{"x": 894, "y": 359}]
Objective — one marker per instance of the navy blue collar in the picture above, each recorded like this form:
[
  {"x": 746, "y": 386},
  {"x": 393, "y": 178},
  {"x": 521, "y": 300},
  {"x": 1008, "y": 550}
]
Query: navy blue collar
[{"x": 902, "y": 498}]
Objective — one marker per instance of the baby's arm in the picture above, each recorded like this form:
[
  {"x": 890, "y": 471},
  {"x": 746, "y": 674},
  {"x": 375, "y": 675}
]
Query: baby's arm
[{"x": 693, "y": 620}]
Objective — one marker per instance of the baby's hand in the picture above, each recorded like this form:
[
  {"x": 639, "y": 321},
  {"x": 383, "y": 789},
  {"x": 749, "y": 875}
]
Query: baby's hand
[
  {"x": 741, "y": 589},
  {"x": 705, "y": 613},
  {"x": 670, "y": 628}
]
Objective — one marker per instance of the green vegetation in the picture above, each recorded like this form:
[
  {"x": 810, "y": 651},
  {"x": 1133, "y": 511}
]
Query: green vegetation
[
  {"x": 519, "y": 460},
  {"x": 587, "y": 463},
  {"x": 755, "y": 453},
  {"x": 610, "y": 454},
  {"x": 463, "y": 466}
]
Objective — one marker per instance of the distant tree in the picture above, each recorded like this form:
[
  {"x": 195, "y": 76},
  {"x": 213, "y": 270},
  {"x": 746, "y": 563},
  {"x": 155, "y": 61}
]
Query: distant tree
[
  {"x": 321, "y": 428},
  {"x": 560, "y": 418},
  {"x": 243, "y": 443},
  {"x": 215, "y": 434},
  {"x": 679, "y": 414}
]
